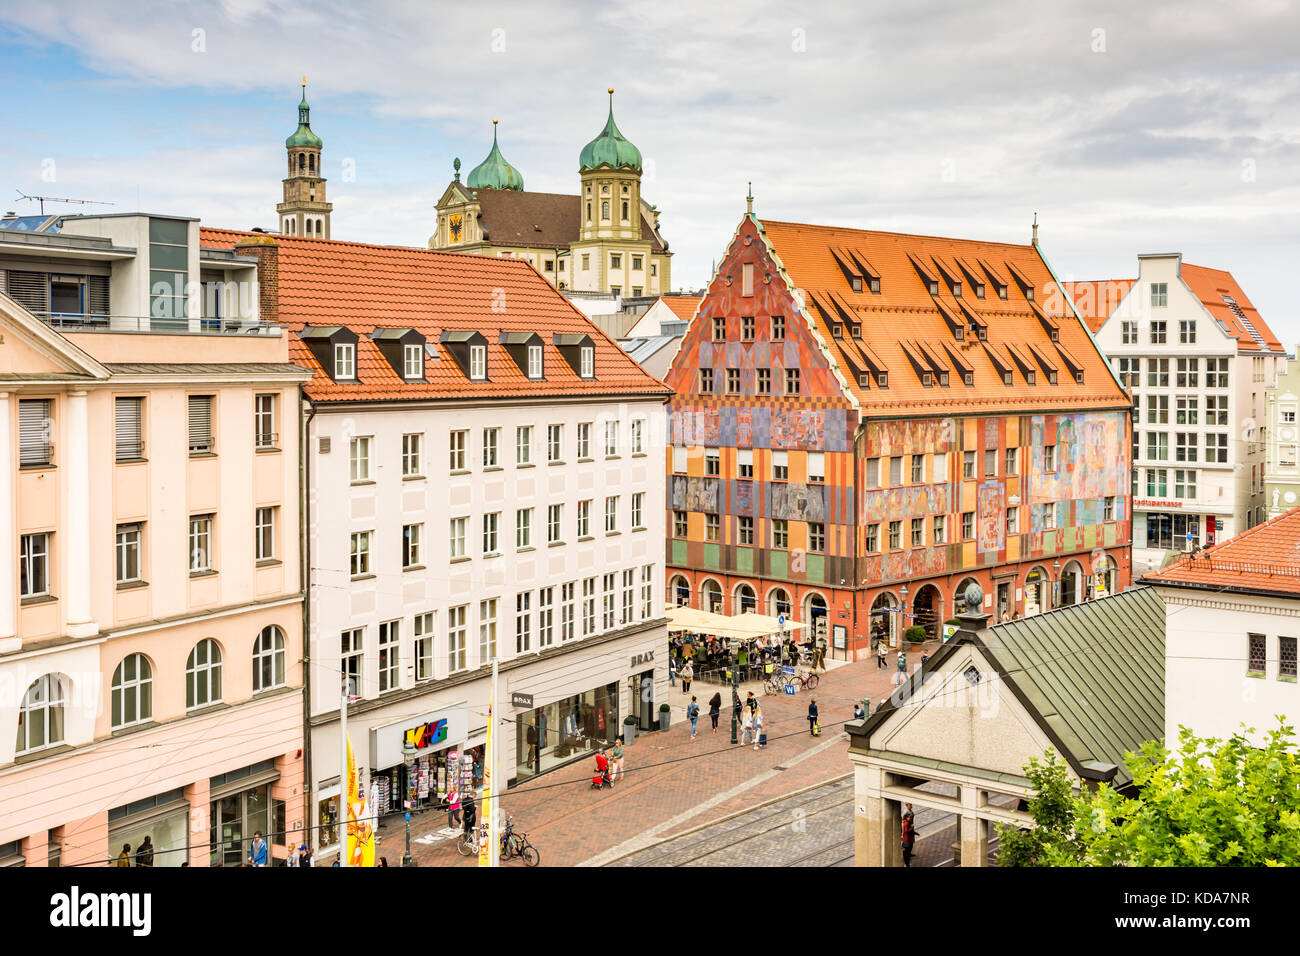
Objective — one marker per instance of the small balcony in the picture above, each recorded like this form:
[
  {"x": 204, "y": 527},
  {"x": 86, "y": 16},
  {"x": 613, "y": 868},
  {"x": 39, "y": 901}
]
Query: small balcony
[{"x": 93, "y": 322}]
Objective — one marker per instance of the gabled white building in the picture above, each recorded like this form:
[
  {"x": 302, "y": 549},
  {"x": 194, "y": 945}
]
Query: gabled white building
[
  {"x": 1197, "y": 358},
  {"x": 485, "y": 480}
]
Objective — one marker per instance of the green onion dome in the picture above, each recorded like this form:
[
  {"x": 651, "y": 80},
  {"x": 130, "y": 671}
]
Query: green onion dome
[
  {"x": 610, "y": 148},
  {"x": 494, "y": 172}
]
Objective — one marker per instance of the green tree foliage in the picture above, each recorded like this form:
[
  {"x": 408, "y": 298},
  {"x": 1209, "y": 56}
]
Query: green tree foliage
[{"x": 1212, "y": 803}]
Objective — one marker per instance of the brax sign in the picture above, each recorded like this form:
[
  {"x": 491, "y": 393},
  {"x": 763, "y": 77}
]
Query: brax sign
[
  {"x": 521, "y": 700},
  {"x": 75, "y": 909},
  {"x": 646, "y": 658}
]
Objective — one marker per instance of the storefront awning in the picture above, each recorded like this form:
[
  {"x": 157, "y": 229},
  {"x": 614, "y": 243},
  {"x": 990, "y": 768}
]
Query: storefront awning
[{"x": 736, "y": 625}]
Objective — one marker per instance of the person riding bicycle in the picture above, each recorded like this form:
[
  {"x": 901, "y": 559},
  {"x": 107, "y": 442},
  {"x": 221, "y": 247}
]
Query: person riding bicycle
[{"x": 470, "y": 813}]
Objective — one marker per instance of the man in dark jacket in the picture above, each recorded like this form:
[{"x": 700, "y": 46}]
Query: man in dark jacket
[
  {"x": 470, "y": 813},
  {"x": 813, "y": 729}
]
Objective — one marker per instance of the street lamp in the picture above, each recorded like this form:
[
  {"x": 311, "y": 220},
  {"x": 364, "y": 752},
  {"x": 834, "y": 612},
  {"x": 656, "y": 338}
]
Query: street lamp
[
  {"x": 408, "y": 758},
  {"x": 1056, "y": 583},
  {"x": 735, "y": 686}
]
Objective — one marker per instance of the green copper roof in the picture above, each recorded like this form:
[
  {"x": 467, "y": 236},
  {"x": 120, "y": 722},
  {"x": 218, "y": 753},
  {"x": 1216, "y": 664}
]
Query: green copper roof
[
  {"x": 303, "y": 136},
  {"x": 494, "y": 172},
  {"x": 610, "y": 148}
]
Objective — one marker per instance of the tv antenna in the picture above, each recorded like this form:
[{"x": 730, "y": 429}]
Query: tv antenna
[{"x": 44, "y": 199}]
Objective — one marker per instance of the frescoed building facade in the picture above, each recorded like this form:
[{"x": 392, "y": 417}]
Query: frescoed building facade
[{"x": 865, "y": 422}]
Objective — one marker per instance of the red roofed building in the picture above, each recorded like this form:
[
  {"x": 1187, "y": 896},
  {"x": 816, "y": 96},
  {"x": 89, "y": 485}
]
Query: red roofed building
[
  {"x": 480, "y": 486},
  {"x": 1198, "y": 359},
  {"x": 867, "y": 422},
  {"x": 1230, "y": 635}
]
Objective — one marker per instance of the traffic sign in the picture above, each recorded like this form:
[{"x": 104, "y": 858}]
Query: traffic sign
[{"x": 789, "y": 689}]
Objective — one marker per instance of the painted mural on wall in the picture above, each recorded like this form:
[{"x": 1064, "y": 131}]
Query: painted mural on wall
[
  {"x": 731, "y": 426},
  {"x": 990, "y": 516},
  {"x": 694, "y": 494},
  {"x": 922, "y": 436},
  {"x": 796, "y": 501},
  {"x": 1092, "y": 457},
  {"x": 910, "y": 500},
  {"x": 904, "y": 565}
]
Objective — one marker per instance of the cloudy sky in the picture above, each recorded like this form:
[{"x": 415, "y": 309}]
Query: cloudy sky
[{"x": 1127, "y": 127}]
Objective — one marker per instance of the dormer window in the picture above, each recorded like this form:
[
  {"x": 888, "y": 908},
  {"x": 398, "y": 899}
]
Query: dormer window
[
  {"x": 1078, "y": 378},
  {"x": 934, "y": 287},
  {"x": 469, "y": 351},
  {"x": 943, "y": 379},
  {"x": 983, "y": 334},
  {"x": 969, "y": 378},
  {"x": 882, "y": 379},
  {"x": 345, "y": 360},
  {"x": 534, "y": 361},
  {"x": 1006, "y": 378},
  {"x": 959, "y": 333},
  {"x": 1029, "y": 293},
  {"x": 1054, "y": 335},
  {"x": 857, "y": 331},
  {"x": 588, "y": 362},
  {"x": 1031, "y": 377},
  {"x": 864, "y": 379},
  {"x": 979, "y": 290},
  {"x": 956, "y": 290},
  {"x": 857, "y": 283},
  {"x": 478, "y": 362},
  {"x": 875, "y": 286},
  {"x": 578, "y": 351},
  {"x": 1051, "y": 378},
  {"x": 837, "y": 330},
  {"x": 525, "y": 350},
  {"x": 927, "y": 379},
  {"x": 413, "y": 361}
]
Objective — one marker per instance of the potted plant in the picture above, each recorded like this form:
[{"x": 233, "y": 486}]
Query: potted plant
[
  {"x": 914, "y": 634},
  {"x": 629, "y": 729},
  {"x": 664, "y": 713}
]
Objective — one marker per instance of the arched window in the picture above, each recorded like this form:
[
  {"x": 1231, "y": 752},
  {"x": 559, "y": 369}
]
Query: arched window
[
  {"x": 40, "y": 718},
  {"x": 778, "y": 602},
  {"x": 320, "y": 227},
  {"x": 203, "y": 675},
  {"x": 132, "y": 691},
  {"x": 302, "y": 161},
  {"x": 309, "y": 227},
  {"x": 744, "y": 600},
  {"x": 311, "y": 162},
  {"x": 268, "y": 659},
  {"x": 681, "y": 592},
  {"x": 604, "y": 209},
  {"x": 711, "y": 596}
]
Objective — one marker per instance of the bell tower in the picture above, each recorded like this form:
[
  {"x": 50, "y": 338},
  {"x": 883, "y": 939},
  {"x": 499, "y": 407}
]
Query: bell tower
[{"x": 304, "y": 211}]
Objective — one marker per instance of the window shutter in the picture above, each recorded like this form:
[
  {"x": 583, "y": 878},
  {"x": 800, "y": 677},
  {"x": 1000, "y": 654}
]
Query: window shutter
[
  {"x": 130, "y": 442},
  {"x": 34, "y": 432},
  {"x": 29, "y": 289},
  {"x": 200, "y": 423},
  {"x": 97, "y": 295}
]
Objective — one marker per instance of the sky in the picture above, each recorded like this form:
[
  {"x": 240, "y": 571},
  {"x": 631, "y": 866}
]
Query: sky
[{"x": 1126, "y": 127}]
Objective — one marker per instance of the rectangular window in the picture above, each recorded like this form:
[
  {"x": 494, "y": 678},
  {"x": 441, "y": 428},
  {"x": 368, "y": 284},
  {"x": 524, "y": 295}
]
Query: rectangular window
[
  {"x": 128, "y": 553},
  {"x": 345, "y": 361},
  {"x": 264, "y": 532},
  {"x": 1013, "y": 521},
  {"x": 647, "y": 591},
  {"x": 1157, "y": 482},
  {"x": 1011, "y": 461},
  {"x": 554, "y": 442},
  {"x": 780, "y": 534},
  {"x": 918, "y": 532},
  {"x": 588, "y": 606},
  {"x": 792, "y": 381},
  {"x": 745, "y": 463},
  {"x": 456, "y": 638},
  {"x": 778, "y": 328},
  {"x": 1159, "y": 294},
  {"x": 458, "y": 443},
  {"x": 360, "y": 553},
  {"x": 872, "y": 540},
  {"x": 424, "y": 631},
  {"x": 490, "y": 528},
  {"x": 566, "y": 611},
  {"x": 733, "y": 381},
  {"x": 990, "y": 462},
  {"x": 611, "y": 514},
  {"x": 896, "y": 471},
  {"x": 545, "y": 617},
  {"x": 491, "y": 438},
  {"x": 918, "y": 469},
  {"x": 1186, "y": 372},
  {"x": 200, "y": 543},
  {"x": 34, "y": 565},
  {"x": 1216, "y": 373},
  {"x": 939, "y": 529},
  {"x": 607, "y": 603},
  {"x": 968, "y": 526},
  {"x": 1049, "y": 516},
  {"x": 456, "y": 538},
  {"x": 873, "y": 473},
  {"x": 1216, "y": 449},
  {"x": 706, "y": 381},
  {"x": 523, "y": 622},
  {"x": 711, "y": 527},
  {"x": 554, "y": 521},
  {"x": 411, "y": 455},
  {"x": 763, "y": 381},
  {"x": 129, "y": 428},
  {"x": 638, "y": 436},
  {"x": 352, "y": 659},
  {"x": 745, "y": 531},
  {"x": 584, "y": 519},
  {"x": 1159, "y": 334},
  {"x": 411, "y": 534},
  {"x": 1157, "y": 409},
  {"x": 1108, "y": 510},
  {"x": 1158, "y": 446},
  {"x": 1158, "y": 373},
  {"x": 1184, "y": 483},
  {"x": 895, "y": 535},
  {"x": 1186, "y": 410},
  {"x": 1130, "y": 372},
  {"x": 719, "y": 328},
  {"x": 487, "y": 630},
  {"x": 390, "y": 638},
  {"x": 628, "y": 606},
  {"x": 478, "y": 362},
  {"x": 524, "y": 445},
  {"x": 968, "y": 464},
  {"x": 534, "y": 361},
  {"x": 638, "y": 502},
  {"x": 747, "y": 328},
  {"x": 1049, "y": 458},
  {"x": 1185, "y": 444},
  {"x": 584, "y": 440},
  {"x": 1128, "y": 333},
  {"x": 712, "y": 462},
  {"x": 359, "y": 459},
  {"x": 200, "y": 417},
  {"x": 611, "y": 439},
  {"x": 1187, "y": 331},
  {"x": 412, "y": 362},
  {"x": 679, "y": 524},
  {"x": 780, "y": 466},
  {"x": 816, "y": 467},
  {"x": 1256, "y": 655},
  {"x": 1216, "y": 410},
  {"x": 1286, "y": 658}
]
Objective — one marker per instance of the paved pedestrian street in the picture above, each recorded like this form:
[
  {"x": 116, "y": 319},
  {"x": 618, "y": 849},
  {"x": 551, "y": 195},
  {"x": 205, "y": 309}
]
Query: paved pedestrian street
[{"x": 673, "y": 784}]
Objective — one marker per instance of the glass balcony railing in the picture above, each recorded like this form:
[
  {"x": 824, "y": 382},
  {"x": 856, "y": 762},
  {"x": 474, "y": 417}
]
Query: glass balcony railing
[{"x": 92, "y": 322}]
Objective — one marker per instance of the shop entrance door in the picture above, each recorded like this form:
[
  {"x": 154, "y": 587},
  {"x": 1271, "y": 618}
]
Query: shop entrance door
[
  {"x": 1004, "y": 601},
  {"x": 642, "y": 688},
  {"x": 229, "y": 824}
]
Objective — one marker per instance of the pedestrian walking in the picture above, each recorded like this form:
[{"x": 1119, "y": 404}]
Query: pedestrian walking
[
  {"x": 672, "y": 670},
  {"x": 453, "y": 808},
  {"x": 759, "y": 736},
  {"x": 616, "y": 759},
  {"x": 751, "y": 702},
  {"x": 471, "y": 817},
  {"x": 304, "y": 856},
  {"x": 908, "y": 835},
  {"x": 715, "y": 709},
  {"x": 257, "y": 850},
  {"x": 124, "y": 858},
  {"x": 747, "y": 726},
  {"x": 736, "y": 706},
  {"x": 687, "y": 675},
  {"x": 144, "y": 855},
  {"x": 881, "y": 654},
  {"x": 693, "y": 715},
  {"x": 814, "y": 728}
]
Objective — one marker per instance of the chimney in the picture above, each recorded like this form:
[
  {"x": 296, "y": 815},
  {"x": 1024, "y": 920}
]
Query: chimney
[{"x": 267, "y": 253}]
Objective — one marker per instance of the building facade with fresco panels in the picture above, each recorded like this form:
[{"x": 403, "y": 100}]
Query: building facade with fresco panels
[{"x": 799, "y": 484}]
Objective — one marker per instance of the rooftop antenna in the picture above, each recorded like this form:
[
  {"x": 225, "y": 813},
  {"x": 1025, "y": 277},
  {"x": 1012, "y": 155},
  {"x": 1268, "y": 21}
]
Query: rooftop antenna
[{"x": 44, "y": 199}]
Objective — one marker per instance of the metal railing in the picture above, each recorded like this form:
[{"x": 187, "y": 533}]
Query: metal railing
[{"x": 91, "y": 322}]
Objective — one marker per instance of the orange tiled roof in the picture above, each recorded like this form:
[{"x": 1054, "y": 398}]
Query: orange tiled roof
[
  {"x": 683, "y": 306},
  {"x": 1264, "y": 559},
  {"x": 904, "y": 311},
  {"x": 1096, "y": 300},
  {"x": 1210, "y": 286},
  {"x": 364, "y": 287}
]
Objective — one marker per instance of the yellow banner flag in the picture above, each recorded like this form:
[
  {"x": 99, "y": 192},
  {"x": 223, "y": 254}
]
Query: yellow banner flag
[
  {"x": 361, "y": 834},
  {"x": 485, "y": 802}
]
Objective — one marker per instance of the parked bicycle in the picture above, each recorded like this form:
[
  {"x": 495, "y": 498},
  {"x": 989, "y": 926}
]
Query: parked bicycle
[
  {"x": 469, "y": 845},
  {"x": 515, "y": 844}
]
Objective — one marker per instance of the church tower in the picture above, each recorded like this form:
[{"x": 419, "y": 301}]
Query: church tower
[
  {"x": 304, "y": 211},
  {"x": 610, "y": 170}
]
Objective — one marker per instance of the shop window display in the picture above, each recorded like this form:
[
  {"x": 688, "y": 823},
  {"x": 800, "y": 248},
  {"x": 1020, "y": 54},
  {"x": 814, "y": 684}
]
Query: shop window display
[{"x": 569, "y": 728}]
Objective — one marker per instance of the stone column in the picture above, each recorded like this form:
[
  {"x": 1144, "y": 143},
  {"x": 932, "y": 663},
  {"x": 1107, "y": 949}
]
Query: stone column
[
  {"x": 9, "y": 639},
  {"x": 36, "y": 848},
  {"x": 75, "y": 457},
  {"x": 197, "y": 793},
  {"x": 974, "y": 831}
]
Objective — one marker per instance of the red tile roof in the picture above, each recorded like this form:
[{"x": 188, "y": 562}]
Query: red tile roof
[
  {"x": 364, "y": 287},
  {"x": 905, "y": 311},
  {"x": 1210, "y": 286},
  {"x": 1264, "y": 559},
  {"x": 1096, "y": 300},
  {"x": 683, "y": 306}
]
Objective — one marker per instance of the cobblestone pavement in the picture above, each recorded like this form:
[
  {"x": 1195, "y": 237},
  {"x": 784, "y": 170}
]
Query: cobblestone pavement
[{"x": 672, "y": 783}]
